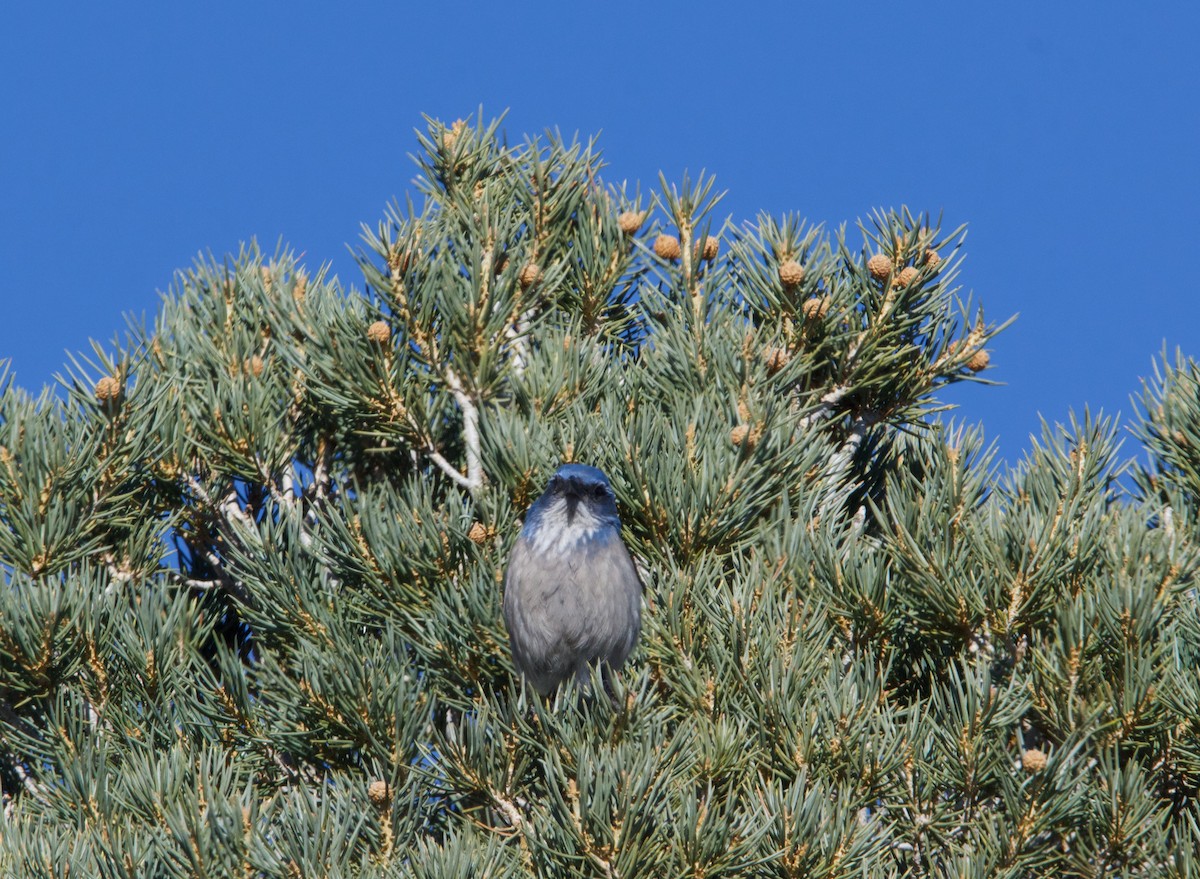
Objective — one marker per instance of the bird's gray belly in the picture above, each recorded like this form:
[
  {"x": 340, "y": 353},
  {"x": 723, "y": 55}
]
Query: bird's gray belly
[{"x": 576, "y": 611}]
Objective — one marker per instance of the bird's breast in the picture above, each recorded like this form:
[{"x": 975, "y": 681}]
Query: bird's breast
[{"x": 574, "y": 536}]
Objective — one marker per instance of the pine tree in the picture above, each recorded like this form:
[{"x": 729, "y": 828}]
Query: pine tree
[{"x": 253, "y": 554}]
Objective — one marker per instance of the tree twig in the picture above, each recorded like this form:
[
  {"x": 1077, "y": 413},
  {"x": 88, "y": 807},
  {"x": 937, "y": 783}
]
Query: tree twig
[
  {"x": 474, "y": 477},
  {"x": 825, "y": 409}
]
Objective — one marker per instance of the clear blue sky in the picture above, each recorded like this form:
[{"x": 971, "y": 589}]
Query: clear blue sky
[{"x": 135, "y": 136}]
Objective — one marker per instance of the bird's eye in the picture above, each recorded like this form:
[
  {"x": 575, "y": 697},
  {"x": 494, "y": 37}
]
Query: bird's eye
[{"x": 599, "y": 492}]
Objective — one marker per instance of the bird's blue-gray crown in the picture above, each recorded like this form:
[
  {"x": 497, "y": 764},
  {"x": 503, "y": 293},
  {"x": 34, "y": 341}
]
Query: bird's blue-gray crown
[{"x": 577, "y": 504}]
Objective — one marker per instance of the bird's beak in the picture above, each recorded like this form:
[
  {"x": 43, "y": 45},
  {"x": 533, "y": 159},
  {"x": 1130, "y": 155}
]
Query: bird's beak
[{"x": 572, "y": 495}]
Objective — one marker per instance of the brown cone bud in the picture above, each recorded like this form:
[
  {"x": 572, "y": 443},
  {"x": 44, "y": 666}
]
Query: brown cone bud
[
  {"x": 932, "y": 258},
  {"x": 450, "y": 136},
  {"x": 740, "y": 434},
  {"x": 108, "y": 388},
  {"x": 667, "y": 246},
  {"x": 777, "y": 359},
  {"x": 255, "y": 366},
  {"x": 531, "y": 274},
  {"x": 791, "y": 273},
  {"x": 379, "y": 332},
  {"x": 397, "y": 260},
  {"x": 979, "y": 361},
  {"x": 880, "y": 266},
  {"x": 907, "y": 276},
  {"x": 710, "y": 249},
  {"x": 380, "y": 794},
  {"x": 816, "y": 307},
  {"x": 478, "y": 534},
  {"x": 1033, "y": 760},
  {"x": 300, "y": 287},
  {"x": 630, "y": 221}
]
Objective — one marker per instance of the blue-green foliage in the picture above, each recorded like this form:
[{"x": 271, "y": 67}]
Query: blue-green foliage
[{"x": 253, "y": 554}]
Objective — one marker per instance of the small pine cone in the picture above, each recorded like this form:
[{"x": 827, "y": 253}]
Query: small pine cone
[
  {"x": 300, "y": 287},
  {"x": 630, "y": 221},
  {"x": 255, "y": 365},
  {"x": 531, "y": 274},
  {"x": 478, "y": 534},
  {"x": 777, "y": 359},
  {"x": 265, "y": 273},
  {"x": 740, "y": 434},
  {"x": 979, "y": 361},
  {"x": 816, "y": 307},
  {"x": 932, "y": 258},
  {"x": 397, "y": 260},
  {"x": 907, "y": 276},
  {"x": 379, "y": 332},
  {"x": 450, "y": 137},
  {"x": 880, "y": 266},
  {"x": 791, "y": 273},
  {"x": 710, "y": 249},
  {"x": 107, "y": 389},
  {"x": 1033, "y": 760},
  {"x": 380, "y": 794},
  {"x": 667, "y": 246}
]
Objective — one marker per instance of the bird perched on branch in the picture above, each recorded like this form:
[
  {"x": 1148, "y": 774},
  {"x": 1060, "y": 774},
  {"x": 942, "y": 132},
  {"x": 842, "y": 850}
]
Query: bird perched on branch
[{"x": 572, "y": 596}]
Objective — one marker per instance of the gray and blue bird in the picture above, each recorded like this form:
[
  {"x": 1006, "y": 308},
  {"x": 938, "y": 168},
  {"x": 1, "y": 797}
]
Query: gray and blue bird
[{"x": 572, "y": 596}]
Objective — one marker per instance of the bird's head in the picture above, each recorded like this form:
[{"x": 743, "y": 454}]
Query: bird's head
[{"x": 578, "y": 501}]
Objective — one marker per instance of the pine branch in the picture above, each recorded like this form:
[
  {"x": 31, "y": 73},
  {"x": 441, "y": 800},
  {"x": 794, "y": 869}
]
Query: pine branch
[
  {"x": 825, "y": 409},
  {"x": 473, "y": 481}
]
